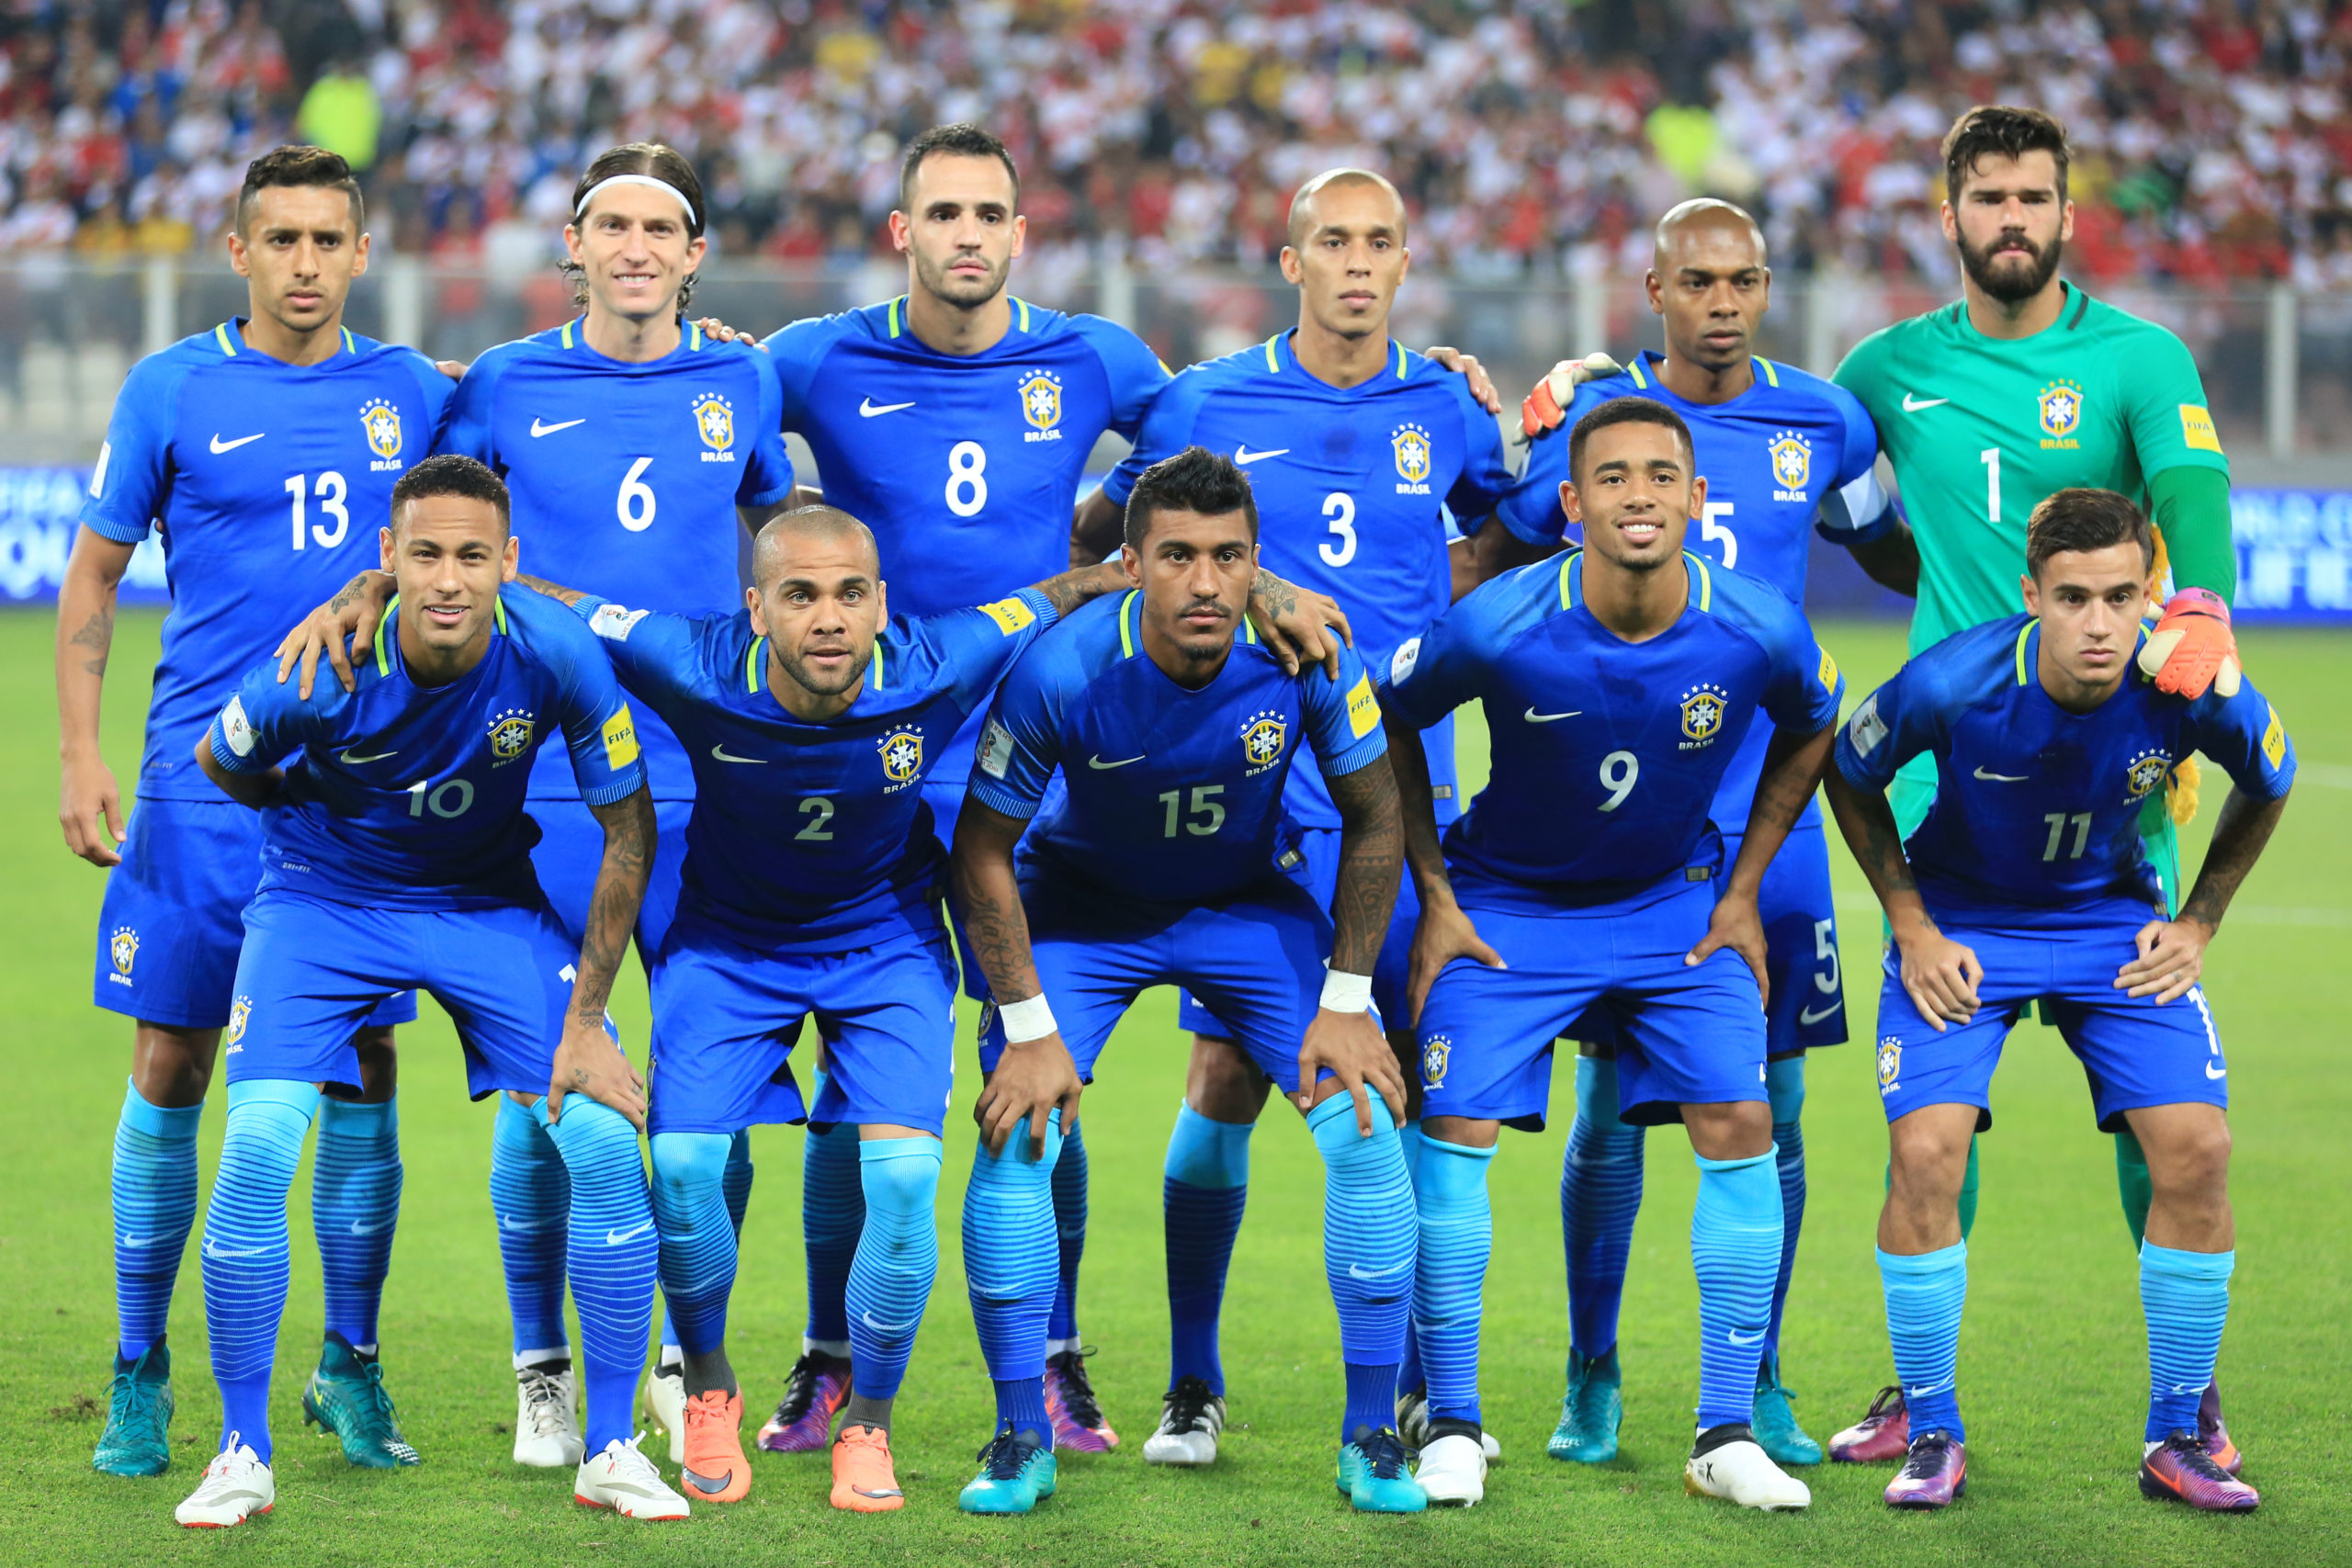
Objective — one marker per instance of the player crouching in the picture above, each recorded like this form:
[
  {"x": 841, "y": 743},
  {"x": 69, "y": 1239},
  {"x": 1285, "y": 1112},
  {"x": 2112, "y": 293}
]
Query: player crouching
[{"x": 2027, "y": 879}]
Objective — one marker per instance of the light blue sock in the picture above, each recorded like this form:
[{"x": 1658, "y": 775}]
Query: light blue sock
[
  {"x": 1600, "y": 1192},
  {"x": 1010, "y": 1268},
  {"x": 832, "y": 1216},
  {"x": 154, "y": 1205},
  {"x": 697, "y": 1245},
  {"x": 1457, "y": 1236},
  {"x": 1924, "y": 1297},
  {"x": 736, "y": 1185},
  {"x": 355, "y": 1208},
  {"x": 2185, "y": 1296},
  {"x": 898, "y": 1259},
  {"x": 1368, "y": 1235},
  {"x": 1204, "y": 1189},
  {"x": 612, "y": 1257},
  {"x": 530, "y": 1198},
  {"x": 1070, "y": 1236},
  {"x": 246, "y": 1251},
  {"x": 1735, "y": 1250},
  {"x": 1784, "y": 1085},
  {"x": 1410, "y": 1378}
]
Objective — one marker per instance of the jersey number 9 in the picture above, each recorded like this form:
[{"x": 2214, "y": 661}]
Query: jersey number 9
[{"x": 1619, "y": 772}]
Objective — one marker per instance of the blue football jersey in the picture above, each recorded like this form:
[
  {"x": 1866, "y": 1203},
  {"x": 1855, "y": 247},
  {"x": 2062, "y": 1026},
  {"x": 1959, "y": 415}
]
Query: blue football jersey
[
  {"x": 1174, "y": 796},
  {"x": 411, "y": 797},
  {"x": 1354, "y": 486},
  {"x": 2038, "y": 808},
  {"x": 626, "y": 479},
  {"x": 267, "y": 481},
  {"x": 1607, "y": 754},
  {"x": 1791, "y": 449},
  {"x": 812, "y": 835}
]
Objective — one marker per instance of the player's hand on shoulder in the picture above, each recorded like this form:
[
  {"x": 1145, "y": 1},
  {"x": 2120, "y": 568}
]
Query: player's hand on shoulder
[
  {"x": 1546, "y": 408},
  {"x": 1482, "y": 385},
  {"x": 1739, "y": 925},
  {"x": 1940, "y": 974},
  {"x": 1296, "y": 623},
  {"x": 588, "y": 1062},
  {"x": 1442, "y": 934},
  {"x": 719, "y": 332},
  {"x": 346, "y": 622},
  {"x": 89, "y": 807},
  {"x": 1030, "y": 1079},
  {"x": 1358, "y": 1055},
  {"x": 2192, "y": 647},
  {"x": 2172, "y": 957}
]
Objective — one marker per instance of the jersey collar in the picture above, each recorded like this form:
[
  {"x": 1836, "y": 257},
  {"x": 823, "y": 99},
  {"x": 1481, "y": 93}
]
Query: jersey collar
[
  {"x": 1131, "y": 626},
  {"x": 230, "y": 334},
  {"x": 573, "y": 335},
  {"x": 1702, "y": 581},
  {"x": 2028, "y": 651},
  {"x": 1280, "y": 359},
  {"x": 387, "y": 646},
  {"x": 1643, "y": 371},
  {"x": 895, "y": 316},
  {"x": 755, "y": 670}
]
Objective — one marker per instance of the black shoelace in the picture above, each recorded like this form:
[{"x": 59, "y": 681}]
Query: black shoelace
[
  {"x": 1385, "y": 1453},
  {"x": 1926, "y": 1460},
  {"x": 1078, "y": 1394},
  {"x": 1188, "y": 1404},
  {"x": 2194, "y": 1457},
  {"x": 1003, "y": 1455},
  {"x": 800, "y": 1388}
]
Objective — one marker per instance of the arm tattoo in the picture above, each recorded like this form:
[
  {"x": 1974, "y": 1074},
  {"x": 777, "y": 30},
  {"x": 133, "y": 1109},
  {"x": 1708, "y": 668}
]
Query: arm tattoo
[
  {"x": 1868, "y": 823},
  {"x": 1409, "y": 766},
  {"x": 555, "y": 591},
  {"x": 97, "y": 635},
  {"x": 989, "y": 895},
  {"x": 2239, "y": 835},
  {"x": 1274, "y": 595},
  {"x": 1071, "y": 589},
  {"x": 627, "y": 866},
  {"x": 1371, "y": 839}
]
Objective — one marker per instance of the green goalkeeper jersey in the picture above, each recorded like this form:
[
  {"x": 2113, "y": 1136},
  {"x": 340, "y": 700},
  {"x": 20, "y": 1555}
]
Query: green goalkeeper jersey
[{"x": 1979, "y": 430}]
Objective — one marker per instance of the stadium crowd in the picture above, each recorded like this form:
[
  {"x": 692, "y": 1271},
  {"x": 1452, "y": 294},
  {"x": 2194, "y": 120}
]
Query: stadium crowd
[{"x": 2213, "y": 144}]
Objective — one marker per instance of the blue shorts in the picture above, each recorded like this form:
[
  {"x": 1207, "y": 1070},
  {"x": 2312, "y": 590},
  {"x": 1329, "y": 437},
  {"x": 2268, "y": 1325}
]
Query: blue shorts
[
  {"x": 727, "y": 1014},
  {"x": 1257, "y": 960},
  {"x": 2135, "y": 1052},
  {"x": 173, "y": 917},
  {"x": 1687, "y": 1036},
  {"x": 311, "y": 970},
  {"x": 571, "y": 847}
]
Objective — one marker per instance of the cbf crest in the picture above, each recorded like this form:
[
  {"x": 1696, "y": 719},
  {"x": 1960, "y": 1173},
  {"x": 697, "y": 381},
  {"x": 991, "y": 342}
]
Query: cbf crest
[
  {"x": 122, "y": 948},
  {"x": 1436, "y": 1051},
  {"x": 1792, "y": 456},
  {"x": 241, "y": 1013},
  {"x": 382, "y": 421},
  {"x": 1410, "y": 445},
  {"x": 2060, "y": 411},
  {"x": 1041, "y": 405},
  {"x": 1262, "y": 739},
  {"x": 2146, "y": 771},
  {"x": 715, "y": 424},
  {"x": 901, "y": 752},
  {"x": 1704, "y": 706},
  {"x": 510, "y": 735},
  {"x": 1890, "y": 1064}
]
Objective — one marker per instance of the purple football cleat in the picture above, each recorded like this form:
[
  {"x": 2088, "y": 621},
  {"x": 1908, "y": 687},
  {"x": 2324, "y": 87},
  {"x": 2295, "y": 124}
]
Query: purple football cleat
[
  {"x": 2181, "y": 1469},
  {"x": 2216, "y": 1435},
  {"x": 813, "y": 1396},
  {"x": 1884, "y": 1434},
  {"x": 1078, "y": 1423},
  {"x": 1934, "y": 1471}
]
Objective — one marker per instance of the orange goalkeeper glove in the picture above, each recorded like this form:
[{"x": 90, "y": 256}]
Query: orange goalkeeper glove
[
  {"x": 1544, "y": 409},
  {"x": 2191, "y": 648}
]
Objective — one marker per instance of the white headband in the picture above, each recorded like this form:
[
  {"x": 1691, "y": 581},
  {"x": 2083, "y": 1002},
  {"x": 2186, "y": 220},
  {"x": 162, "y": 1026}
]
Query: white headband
[{"x": 649, "y": 181}]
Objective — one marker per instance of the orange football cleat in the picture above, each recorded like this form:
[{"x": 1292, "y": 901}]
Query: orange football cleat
[
  {"x": 865, "y": 1481},
  {"x": 715, "y": 1470}
]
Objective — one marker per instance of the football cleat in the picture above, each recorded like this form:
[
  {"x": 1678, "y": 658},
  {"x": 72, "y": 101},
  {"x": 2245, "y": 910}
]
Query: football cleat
[
  {"x": 1190, "y": 1418},
  {"x": 1013, "y": 1476},
  {"x": 235, "y": 1487},
  {"x": 1078, "y": 1423},
  {"x": 1453, "y": 1471},
  {"x": 1934, "y": 1473},
  {"x": 547, "y": 1424},
  {"x": 346, "y": 1399},
  {"x": 137, "y": 1439},
  {"x": 865, "y": 1481},
  {"x": 665, "y": 1405},
  {"x": 1592, "y": 1411},
  {"x": 1741, "y": 1471},
  {"x": 714, "y": 1470},
  {"x": 2181, "y": 1468},
  {"x": 1371, "y": 1473},
  {"x": 2216, "y": 1435},
  {"x": 624, "y": 1480},
  {"x": 803, "y": 1422},
  {"x": 1882, "y": 1435},
  {"x": 1775, "y": 1423},
  {"x": 1413, "y": 1425}
]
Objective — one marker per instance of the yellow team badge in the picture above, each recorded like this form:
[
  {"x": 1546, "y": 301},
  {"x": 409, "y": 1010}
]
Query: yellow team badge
[
  {"x": 621, "y": 739},
  {"x": 1411, "y": 444},
  {"x": 902, "y": 754},
  {"x": 1890, "y": 1064},
  {"x": 510, "y": 735},
  {"x": 382, "y": 421},
  {"x": 2060, "y": 407},
  {"x": 2146, "y": 772},
  {"x": 1041, "y": 405},
  {"x": 1702, "y": 713},
  {"x": 1792, "y": 456},
  {"x": 122, "y": 947},
  {"x": 1436, "y": 1051},
  {"x": 241, "y": 1013},
  {"x": 1261, "y": 741},
  {"x": 715, "y": 422}
]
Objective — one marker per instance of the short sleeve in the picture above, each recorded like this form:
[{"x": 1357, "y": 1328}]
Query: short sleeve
[
  {"x": 1021, "y": 744},
  {"x": 1894, "y": 725},
  {"x": 598, "y": 724},
  {"x": 438, "y": 391},
  {"x": 1858, "y": 510},
  {"x": 1432, "y": 674},
  {"x": 465, "y": 426},
  {"x": 1804, "y": 691},
  {"x": 2172, "y": 426},
  {"x": 767, "y": 472},
  {"x": 134, "y": 469},
  {"x": 1131, "y": 372},
  {"x": 1167, "y": 430},
  {"x": 1343, "y": 717},
  {"x": 971, "y": 649},
  {"x": 264, "y": 722},
  {"x": 656, "y": 656},
  {"x": 1486, "y": 476},
  {"x": 2245, "y": 736}
]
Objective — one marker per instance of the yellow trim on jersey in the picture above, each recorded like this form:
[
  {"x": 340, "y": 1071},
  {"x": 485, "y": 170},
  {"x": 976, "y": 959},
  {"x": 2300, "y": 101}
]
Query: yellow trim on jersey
[
  {"x": 349, "y": 344},
  {"x": 383, "y": 656},
  {"x": 1126, "y": 635},
  {"x": 878, "y": 664},
  {"x": 498, "y": 615},
  {"x": 1706, "y": 580},
  {"x": 1273, "y": 363},
  {"x": 1400, "y": 359},
  {"x": 226, "y": 347},
  {"x": 1634, "y": 370},
  {"x": 694, "y": 338},
  {"x": 1023, "y": 306},
  {"x": 1771, "y": 376},
  {"x": 752, "y": 665},
  {"x": 2024, "y": 632},
  {"x": 1567, "y": 582},
  {"x": 1248, "y": 632},
  {"x": 567, "y": 331},
  {"x": 894, "y": 314}
]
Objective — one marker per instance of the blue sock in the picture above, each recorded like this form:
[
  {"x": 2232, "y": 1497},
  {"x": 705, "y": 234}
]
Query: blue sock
[
  {"x": 1368, "y": 1248},
  {"x": 1202, "y": 1195},
  {"x": 1009, "y": 1269},
  {"x": 737, "y": 1186},
  {"x": 832, "y": 1216},
  {"x": 246, "y": 1251},
  {"x": 354, "y": 1207},
  {"x": 1070, "y": 1236},
  {"x": 1924, "y": 1297},
  {"x": 1600, "y": 1191},
  {"x": 154, "y": 1205},
  {"x": 1784, "y": 1084},
  {"x": 2185, "y": 1296},
  {"x": 530, "y": 1197},
  {"x": 1735, "y": 1248},
  {"x": 698, "y": 1243},
  {"x": 1457, "y": 1234},
  {"x": 898, "y": 1259},
  {"x": 1410, "y": 1378},
  {"x": 613, "y": 1257}
]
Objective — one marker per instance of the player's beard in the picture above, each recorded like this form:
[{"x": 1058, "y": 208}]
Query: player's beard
[
  {"x": 941, "y": 284},
  {"x": 809, "y": 682},
  {"x": 2007, "y": 285}
]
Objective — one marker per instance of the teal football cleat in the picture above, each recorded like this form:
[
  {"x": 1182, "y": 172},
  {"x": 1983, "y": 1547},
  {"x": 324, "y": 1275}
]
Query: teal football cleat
[
  {"x": 1372, "y": 1472},
  {"x": 1592, "y": 1411},
  {"x": 346, "y": 1399},
  {"x": 137, "y": 1440},
  {"x": 1775, "y": 1423},
  {"x": 1014, "y": 1476}
]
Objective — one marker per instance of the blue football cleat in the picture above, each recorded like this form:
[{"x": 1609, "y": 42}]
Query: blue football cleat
[
  {"x": 1592, "y": 1411},
  {"x": 1014, "y": 1476},
  {"x": 137, "y": 1440},
  {"x": 1373, "y": 1473},
  {"x": 1775, "y": 1424},
  {"x": 346, "y": 1399}
]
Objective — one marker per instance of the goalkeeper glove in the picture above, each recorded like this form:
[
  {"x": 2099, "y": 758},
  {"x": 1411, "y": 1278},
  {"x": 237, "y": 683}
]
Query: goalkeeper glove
[
  {"x": 2191, "y": 648},
  {"x": 1544, "y": 409}
]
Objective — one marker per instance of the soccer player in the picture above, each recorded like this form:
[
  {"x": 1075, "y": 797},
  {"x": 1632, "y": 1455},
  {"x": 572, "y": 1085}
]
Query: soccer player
[
  {"x": 1776, "y": 447},
  {"x": 1356, "y": 448},
  {"x": 249, "y": 448},
  {"x": 398, "y": 857},
  {"x": 2029, "y": 878},
  {"x": 2023, "y": 387},
  {"x": 1618, "y": 684},
  {"x": 1165, "y": 863}
]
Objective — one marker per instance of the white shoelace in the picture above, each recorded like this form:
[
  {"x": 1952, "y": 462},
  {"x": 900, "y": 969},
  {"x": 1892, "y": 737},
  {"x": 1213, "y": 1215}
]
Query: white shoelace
[{"x": 547, "y": 1404}]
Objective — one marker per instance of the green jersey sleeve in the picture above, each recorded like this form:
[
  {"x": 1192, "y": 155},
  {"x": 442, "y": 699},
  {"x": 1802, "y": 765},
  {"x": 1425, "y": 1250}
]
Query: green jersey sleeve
[{"x": 2172, "y": 427}]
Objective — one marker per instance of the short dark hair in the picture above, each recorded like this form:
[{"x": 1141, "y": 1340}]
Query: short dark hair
[
  {"x": 961, "y": 140},
  {"x": 2000, "y": 131},
  {"x": 2085, "y": 519},
  {"x": 665, "y": 163},
  {"x": 451, "y": 473},
  {"x": 1625, "y": 411},
  {"x": 1196, "y": 479},
  {"x": 295, "y": 165}
]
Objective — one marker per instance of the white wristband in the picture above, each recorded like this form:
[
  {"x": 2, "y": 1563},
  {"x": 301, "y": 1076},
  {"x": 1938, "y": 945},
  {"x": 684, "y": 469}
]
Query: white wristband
[
  {"x": 1343, "y": 992},
  {"x": 1032, "y": 1020}
]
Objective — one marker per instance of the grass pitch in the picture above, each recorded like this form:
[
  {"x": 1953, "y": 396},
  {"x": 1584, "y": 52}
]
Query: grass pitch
[{"x": 2052, "y": 1367}]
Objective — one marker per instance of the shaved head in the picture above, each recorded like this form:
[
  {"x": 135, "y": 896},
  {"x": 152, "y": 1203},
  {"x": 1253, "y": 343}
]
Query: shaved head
[
  {"x": 774, "y": 549},
  {"x": 1301, "y": 205},
  {"x": 1705, "y": 215}
]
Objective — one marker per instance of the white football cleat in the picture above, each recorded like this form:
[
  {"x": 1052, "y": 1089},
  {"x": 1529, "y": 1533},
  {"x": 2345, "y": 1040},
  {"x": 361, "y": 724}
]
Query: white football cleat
[
  {"x": 1742, "y": 1472},
  {"x": 235, "y": 1487},
  {"x": 1454, "y": 1472},
  {"x": 624, "y": 1480},
  {"x": 665, "y": 1402},
  {"x": 1413, "y": 1425},
  {"x": 1190, "y": 1418},
  {"x": 547, "y": 1423}
]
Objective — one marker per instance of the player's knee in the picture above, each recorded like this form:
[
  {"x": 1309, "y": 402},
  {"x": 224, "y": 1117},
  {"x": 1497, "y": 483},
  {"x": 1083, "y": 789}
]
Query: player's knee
[
  {"x": 1738, "y": 1129},
  {"x": 901, "y": 1181},
  {"x": 2191, "y": 1162},
  {"x": 1222, "y": 1082},
  {"x": 172, "y": 1068},
  {"x": 687, "y": 1170},
  {"x": 378, "y": 1064}
]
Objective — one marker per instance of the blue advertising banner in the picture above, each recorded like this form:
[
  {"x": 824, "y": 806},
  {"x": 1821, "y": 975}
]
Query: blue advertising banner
[
  {"x": 2294, "y": 554},
  {"x": 40, "y": 509}
]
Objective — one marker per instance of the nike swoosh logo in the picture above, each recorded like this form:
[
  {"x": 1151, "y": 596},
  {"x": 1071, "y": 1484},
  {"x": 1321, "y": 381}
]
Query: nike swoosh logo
[
  {"x": 219, "y": 446},
  {"x": 1243, "y": 456},
  {"x": 886, "y": 1492},
  {"x": 1534, "y": 718},
  {"x": 2213, "y": 1072},
  {"x": 701, "y": 1484},
  {"x": 884, "y": 1328},
  {"x": 1924, "y": 1389},
  {"x": 1096, "y": 761},
  {"x": 505, "y": 1223},
  {"x": 2000, "y": 778},
  {"x": 1913, "y": 405},
  {"x": 212, "y": 1251},
  {"x": 1356, "y": 1271},
  {"x": 613, "y": 1239},
  {"x": 127, "y": 1239},
  {"x": 1755, "y": 1338},
  {"x": 1809, "y": 1016},
  {"x": 867, "y": 408},
  {"x": 539, "y": 429},
  {"x": 719, "y": 752},
  {"x": 378, "y": 757},
  {"x": 358, "y": 1229}
]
